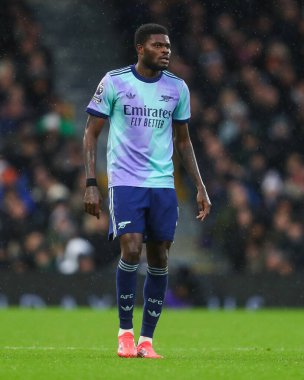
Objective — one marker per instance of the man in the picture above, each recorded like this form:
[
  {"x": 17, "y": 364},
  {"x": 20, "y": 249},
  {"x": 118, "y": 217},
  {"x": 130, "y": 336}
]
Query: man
[{"x": 146, "y": 106}]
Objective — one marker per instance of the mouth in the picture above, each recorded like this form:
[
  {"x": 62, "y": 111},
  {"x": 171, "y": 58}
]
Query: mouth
[{"x": 164, "y": 59}]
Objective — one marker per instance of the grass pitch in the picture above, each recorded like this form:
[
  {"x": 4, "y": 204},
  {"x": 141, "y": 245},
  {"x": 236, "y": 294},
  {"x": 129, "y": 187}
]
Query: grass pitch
[{"x": 197, "y": 344}]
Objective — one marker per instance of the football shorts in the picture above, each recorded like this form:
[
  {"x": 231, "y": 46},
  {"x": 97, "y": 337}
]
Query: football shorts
[{"x": 152, "y": 212}]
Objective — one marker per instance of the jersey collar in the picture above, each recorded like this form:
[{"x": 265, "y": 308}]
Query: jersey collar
[{"x": 144, "y": 79}]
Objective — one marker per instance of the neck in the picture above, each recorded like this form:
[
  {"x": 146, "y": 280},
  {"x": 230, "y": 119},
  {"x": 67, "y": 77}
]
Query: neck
[{"x": 145, "y": 71}]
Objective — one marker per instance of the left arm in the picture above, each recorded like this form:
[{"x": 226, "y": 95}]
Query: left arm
[{"x": 186, "y": 153}]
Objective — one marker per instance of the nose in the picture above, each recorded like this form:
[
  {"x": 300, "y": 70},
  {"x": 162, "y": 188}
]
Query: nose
[{"x": 166, "y": 50}]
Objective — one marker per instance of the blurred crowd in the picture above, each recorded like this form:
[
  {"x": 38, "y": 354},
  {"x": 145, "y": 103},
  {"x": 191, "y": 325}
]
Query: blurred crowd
[
  {"x": 42, "y": 223},
  {"x": 243, "y": 62}
]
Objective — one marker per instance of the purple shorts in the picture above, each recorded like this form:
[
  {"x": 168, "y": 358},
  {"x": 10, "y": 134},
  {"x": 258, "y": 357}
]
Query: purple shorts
[{"x": 152, "y": 212}]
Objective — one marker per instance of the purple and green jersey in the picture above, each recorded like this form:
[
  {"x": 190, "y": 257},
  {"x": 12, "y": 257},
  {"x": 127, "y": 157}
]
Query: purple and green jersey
[{"x": 140, "y": 112}]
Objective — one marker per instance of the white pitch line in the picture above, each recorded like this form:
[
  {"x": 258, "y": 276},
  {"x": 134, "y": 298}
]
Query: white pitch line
[
  {"x": 177, "y": 350},
  {"x": 233, "y": 349},
  {"x": 50, "y": 348}
]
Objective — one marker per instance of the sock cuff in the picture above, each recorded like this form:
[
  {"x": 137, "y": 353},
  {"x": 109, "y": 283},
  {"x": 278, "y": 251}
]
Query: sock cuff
[
  {"x": 157, "y": 271},
  {"x": 127, "y": 267}
]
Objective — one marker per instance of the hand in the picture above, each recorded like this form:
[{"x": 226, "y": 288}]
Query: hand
[
  {"x": 92, "y": 201},
  {"x": 203, "y": 203}
]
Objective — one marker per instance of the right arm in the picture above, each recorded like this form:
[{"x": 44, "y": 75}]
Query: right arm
[{"x": 92, "y": 197}]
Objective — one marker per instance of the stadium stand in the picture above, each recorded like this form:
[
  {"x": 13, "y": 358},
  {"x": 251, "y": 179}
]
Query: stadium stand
[{"x": 42, "y": 225}]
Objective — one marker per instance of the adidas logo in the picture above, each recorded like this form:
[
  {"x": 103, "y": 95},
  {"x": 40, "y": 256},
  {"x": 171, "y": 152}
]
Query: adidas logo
[
  {"x": 153, "y": 314},
  {"x": 127, "y": 308},
  {"x": 129, "y": 95}
]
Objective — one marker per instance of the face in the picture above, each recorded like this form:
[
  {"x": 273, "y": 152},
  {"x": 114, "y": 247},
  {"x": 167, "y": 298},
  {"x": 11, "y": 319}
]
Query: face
[{"x": 155, "y": 52}]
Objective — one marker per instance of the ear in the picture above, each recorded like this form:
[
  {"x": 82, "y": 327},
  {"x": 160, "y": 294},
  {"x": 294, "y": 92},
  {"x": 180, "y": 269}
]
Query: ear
[{"x": 139, "y": 49}]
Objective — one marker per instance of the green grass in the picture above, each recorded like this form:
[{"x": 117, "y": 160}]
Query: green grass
[{"x": 81, "y": 344}]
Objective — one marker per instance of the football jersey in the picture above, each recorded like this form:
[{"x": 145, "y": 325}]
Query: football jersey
[{"x": 140, "y": 112}]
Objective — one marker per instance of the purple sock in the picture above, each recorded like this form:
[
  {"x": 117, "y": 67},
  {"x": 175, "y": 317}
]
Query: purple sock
[
  {"x": 125, "y": 291},
  {"x": 154, "y": 294}
]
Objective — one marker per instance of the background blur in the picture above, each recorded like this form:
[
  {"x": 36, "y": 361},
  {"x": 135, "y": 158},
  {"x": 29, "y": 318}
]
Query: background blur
[{"x": 243, "y": 61}]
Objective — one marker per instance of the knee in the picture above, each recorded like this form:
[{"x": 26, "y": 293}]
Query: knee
[
  {"x": 163, "y": 260},
  {"x": 160, "y": 260},
  {"x": 131, "y": 252},
  {"x": 158, "y": 254}
]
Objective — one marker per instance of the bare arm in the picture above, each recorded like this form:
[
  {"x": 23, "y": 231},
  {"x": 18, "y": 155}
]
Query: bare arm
[
  {"x": 92, "y": 197},
  {"x": 185, "y": 151}
]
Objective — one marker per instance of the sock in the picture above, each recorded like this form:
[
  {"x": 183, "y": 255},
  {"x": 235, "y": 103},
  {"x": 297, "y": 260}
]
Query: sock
[
  {"x": 122, "y": 331},
  {"x": 144, "y": 339},
  {"x": 154, "y": 293},
  {"x": 125, "y": 290}
]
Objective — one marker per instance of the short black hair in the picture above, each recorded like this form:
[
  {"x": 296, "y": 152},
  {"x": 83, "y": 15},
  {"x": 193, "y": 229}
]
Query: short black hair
[{"x": 143, "y": 33}]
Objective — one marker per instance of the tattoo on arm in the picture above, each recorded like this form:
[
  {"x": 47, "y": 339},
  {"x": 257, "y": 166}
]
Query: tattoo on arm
[
  {"x": 92, "y": 131},
  {"x": 90, "y": 161}
]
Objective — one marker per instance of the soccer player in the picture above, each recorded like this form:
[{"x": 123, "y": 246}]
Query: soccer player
[{"x": 148, "y": 109}]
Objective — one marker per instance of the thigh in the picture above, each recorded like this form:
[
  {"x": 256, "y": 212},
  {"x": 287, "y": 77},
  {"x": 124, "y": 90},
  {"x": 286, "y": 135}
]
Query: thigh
[
  {"x": 127, "y": 206},
  {"x": 162, "y": 216}
]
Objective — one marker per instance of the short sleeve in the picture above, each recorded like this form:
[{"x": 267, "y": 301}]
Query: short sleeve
[
  {"x": 103, "y": 99},
  {"x": 182, "y": 113}
]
